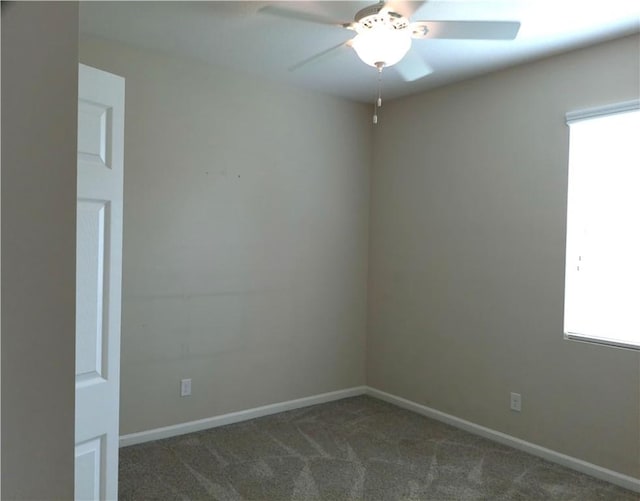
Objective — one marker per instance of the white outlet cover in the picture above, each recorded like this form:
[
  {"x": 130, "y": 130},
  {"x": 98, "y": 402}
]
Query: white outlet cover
[
  {"x": 516, "y": 402},
  {"x": 185, "y": 387}
]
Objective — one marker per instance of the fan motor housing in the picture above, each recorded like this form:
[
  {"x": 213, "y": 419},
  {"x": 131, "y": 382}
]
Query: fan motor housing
[{"x": 376, "y": 15}]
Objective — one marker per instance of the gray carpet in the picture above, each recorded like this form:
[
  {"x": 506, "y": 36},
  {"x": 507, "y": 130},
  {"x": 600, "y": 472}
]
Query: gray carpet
[{"x": 352, "y": 449}]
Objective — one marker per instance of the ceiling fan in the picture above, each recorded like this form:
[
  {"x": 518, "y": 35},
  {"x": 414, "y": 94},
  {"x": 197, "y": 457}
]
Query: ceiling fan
[{"x": 384, "y": 34}]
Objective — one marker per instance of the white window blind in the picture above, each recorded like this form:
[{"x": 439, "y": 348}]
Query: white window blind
[{"x": 602, "y": 282}]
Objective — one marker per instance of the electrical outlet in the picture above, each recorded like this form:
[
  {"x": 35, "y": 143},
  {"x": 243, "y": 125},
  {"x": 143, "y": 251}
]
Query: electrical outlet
[
  {"x": 516, "y": 402},
  {"x": 185, "y": 387}
]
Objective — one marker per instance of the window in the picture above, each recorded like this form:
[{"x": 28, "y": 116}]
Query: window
[{"x": 602, "y": 282}]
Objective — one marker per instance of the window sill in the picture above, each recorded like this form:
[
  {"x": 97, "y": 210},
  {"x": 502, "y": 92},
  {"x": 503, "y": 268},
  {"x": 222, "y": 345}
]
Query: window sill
[{"x": 603, "y": 342}]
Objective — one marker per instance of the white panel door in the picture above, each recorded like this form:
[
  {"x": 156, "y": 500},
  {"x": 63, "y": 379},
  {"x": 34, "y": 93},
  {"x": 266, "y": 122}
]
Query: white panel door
[{"x": 98, "y": 282}]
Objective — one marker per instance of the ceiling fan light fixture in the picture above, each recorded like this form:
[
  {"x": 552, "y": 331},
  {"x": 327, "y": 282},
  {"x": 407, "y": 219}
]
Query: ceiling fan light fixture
[{"x": 381, "y": 45}]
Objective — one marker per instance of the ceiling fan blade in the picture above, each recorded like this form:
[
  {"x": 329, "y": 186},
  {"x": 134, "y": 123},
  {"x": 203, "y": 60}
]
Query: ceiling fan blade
[
  {"x": 298, "y": 15},
  {"x": 413, "y": 67},
  {"x": 321, "y": 56},
  {"x": 466, "y": 30},
  {"x": 404, "y": 7}
]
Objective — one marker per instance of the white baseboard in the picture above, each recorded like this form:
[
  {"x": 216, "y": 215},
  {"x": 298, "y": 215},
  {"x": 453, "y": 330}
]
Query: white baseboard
[
  {"x": 236, "y": 417},
  {"x": 596, "y": 471}
]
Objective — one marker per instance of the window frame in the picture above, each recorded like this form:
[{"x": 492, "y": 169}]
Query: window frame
[{"x": 572, "y": 117}]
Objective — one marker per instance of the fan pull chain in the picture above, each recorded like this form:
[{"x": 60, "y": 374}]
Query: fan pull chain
[{"x": 378, "y": 102}]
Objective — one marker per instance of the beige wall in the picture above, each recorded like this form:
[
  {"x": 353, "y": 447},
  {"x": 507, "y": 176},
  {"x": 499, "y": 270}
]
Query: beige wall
[
  {"x": 39, "y": 113},
  {"x": 245, "y": 239},
  {"x": 467, "y": 258}
]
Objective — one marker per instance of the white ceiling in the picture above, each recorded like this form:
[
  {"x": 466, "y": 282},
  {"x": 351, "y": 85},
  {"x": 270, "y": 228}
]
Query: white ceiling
[{"x": 238, "y": 36}]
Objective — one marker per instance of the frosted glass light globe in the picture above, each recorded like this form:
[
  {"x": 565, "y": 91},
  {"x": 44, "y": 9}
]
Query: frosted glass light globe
[{"x": 381, "y": 45}]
